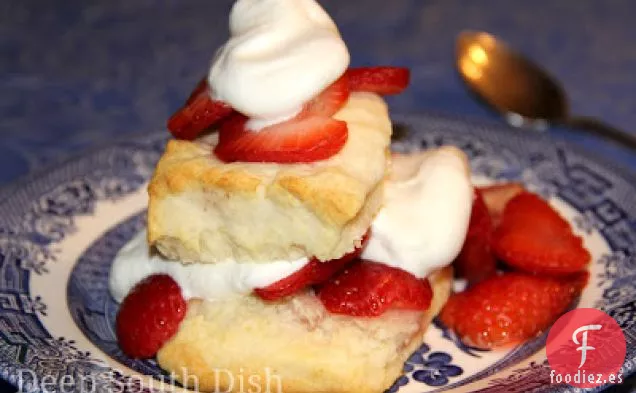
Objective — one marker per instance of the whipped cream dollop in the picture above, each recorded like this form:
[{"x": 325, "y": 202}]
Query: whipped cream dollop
[
  {"x": 136, "y": 261},
  {"x": 280, "y": 54},
  {"x": 420, "y": 228},
  {"x": 422, "y": 225}
]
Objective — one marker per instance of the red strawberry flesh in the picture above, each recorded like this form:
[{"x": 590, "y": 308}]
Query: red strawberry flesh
[
  {"x": 308, "y": 139},
  {"x": 476, "y": 260},
  {"x": 331, "y": 100},
  {"x": 533, "y": 237},
  {"x": 313, "y": 273},
  {"x": 199, "y": 113},
  {"x": 380, "y": 80},
  {"x": 312, "y": 135},
  {"x": 368, "y": 289},
  {"x": 510, "y": 308}
]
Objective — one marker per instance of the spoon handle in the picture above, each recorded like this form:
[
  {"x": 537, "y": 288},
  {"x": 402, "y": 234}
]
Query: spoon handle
[{"x": 604, "y": 130}]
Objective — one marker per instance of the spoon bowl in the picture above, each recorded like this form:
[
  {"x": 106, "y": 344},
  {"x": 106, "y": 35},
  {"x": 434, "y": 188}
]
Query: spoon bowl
[{"x": 522, "y": 91}]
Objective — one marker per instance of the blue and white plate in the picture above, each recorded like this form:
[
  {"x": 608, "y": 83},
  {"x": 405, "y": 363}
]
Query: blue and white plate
[{"x": 59, "y": 232}]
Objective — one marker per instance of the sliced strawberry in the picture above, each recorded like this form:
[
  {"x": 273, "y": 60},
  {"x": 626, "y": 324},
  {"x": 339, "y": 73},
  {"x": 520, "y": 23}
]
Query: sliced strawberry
[
  {"x": 149, "y": 316},
  {"x": 497, "y": 197},
  {"x": 380, "y": 80},
  {"x": 533, "y": 237},
  {"x": 510, "y": 308},
  {"x": 331, "y": 100},
  {"x": 310, "y": 136},
  {"x": 476, "y": 260},
  {"x": 200, "y": 112},
  {"x": 368, "y": 289},
  {"x": 306, "y": 139},
  {"x": 313, "y": 273}
]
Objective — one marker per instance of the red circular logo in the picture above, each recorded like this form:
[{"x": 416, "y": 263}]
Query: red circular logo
[{"x": 585, "y": 348}]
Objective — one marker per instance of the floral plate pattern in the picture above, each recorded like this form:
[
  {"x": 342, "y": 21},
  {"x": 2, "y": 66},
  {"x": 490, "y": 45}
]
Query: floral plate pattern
[{"x": 59, "y": 232}]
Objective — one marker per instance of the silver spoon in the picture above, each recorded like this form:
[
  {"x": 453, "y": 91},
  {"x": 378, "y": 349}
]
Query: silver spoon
[{"x": 525, "y": 93}]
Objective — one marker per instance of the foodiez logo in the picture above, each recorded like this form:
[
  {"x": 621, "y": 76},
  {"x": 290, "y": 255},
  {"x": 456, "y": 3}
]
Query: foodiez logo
[{"x": 586, "y": 348}]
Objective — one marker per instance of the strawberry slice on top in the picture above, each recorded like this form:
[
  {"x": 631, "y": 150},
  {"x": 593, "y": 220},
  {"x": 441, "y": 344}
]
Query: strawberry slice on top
[
  {"x": 330, "y": 100},
  {"x": 312, "y": 135},
  {"x": 308, "y": 139},
  {"x": 199, "y": 113},
  {"x": 533, "y": 237},
  {"x": 379, "y": 80}
]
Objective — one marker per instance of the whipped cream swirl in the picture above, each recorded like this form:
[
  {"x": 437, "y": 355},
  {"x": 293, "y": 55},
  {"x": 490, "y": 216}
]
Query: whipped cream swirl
[{"x": 280, "y": 54}]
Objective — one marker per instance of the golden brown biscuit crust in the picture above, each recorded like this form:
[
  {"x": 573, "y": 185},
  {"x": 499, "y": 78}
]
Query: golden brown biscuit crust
[{"x": 199, "y": 207}]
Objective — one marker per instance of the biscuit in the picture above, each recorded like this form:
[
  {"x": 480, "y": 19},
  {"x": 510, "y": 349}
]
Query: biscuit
[
  {"x": 202, "y": 210},
  {"x": 306, "y": 348}
]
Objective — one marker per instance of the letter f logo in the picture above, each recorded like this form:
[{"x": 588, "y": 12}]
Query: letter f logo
[{"x": 584, "y": 347}]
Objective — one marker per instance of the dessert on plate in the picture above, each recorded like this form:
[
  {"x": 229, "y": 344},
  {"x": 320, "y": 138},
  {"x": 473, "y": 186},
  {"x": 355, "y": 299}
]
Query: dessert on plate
[{"x": 285, "y": 239}]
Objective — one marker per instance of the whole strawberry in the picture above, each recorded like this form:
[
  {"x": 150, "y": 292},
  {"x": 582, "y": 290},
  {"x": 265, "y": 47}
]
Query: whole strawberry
[{"x": 149, "y": 316}]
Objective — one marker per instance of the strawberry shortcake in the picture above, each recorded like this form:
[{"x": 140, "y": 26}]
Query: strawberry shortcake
[{"x": 284, "y": 238}]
